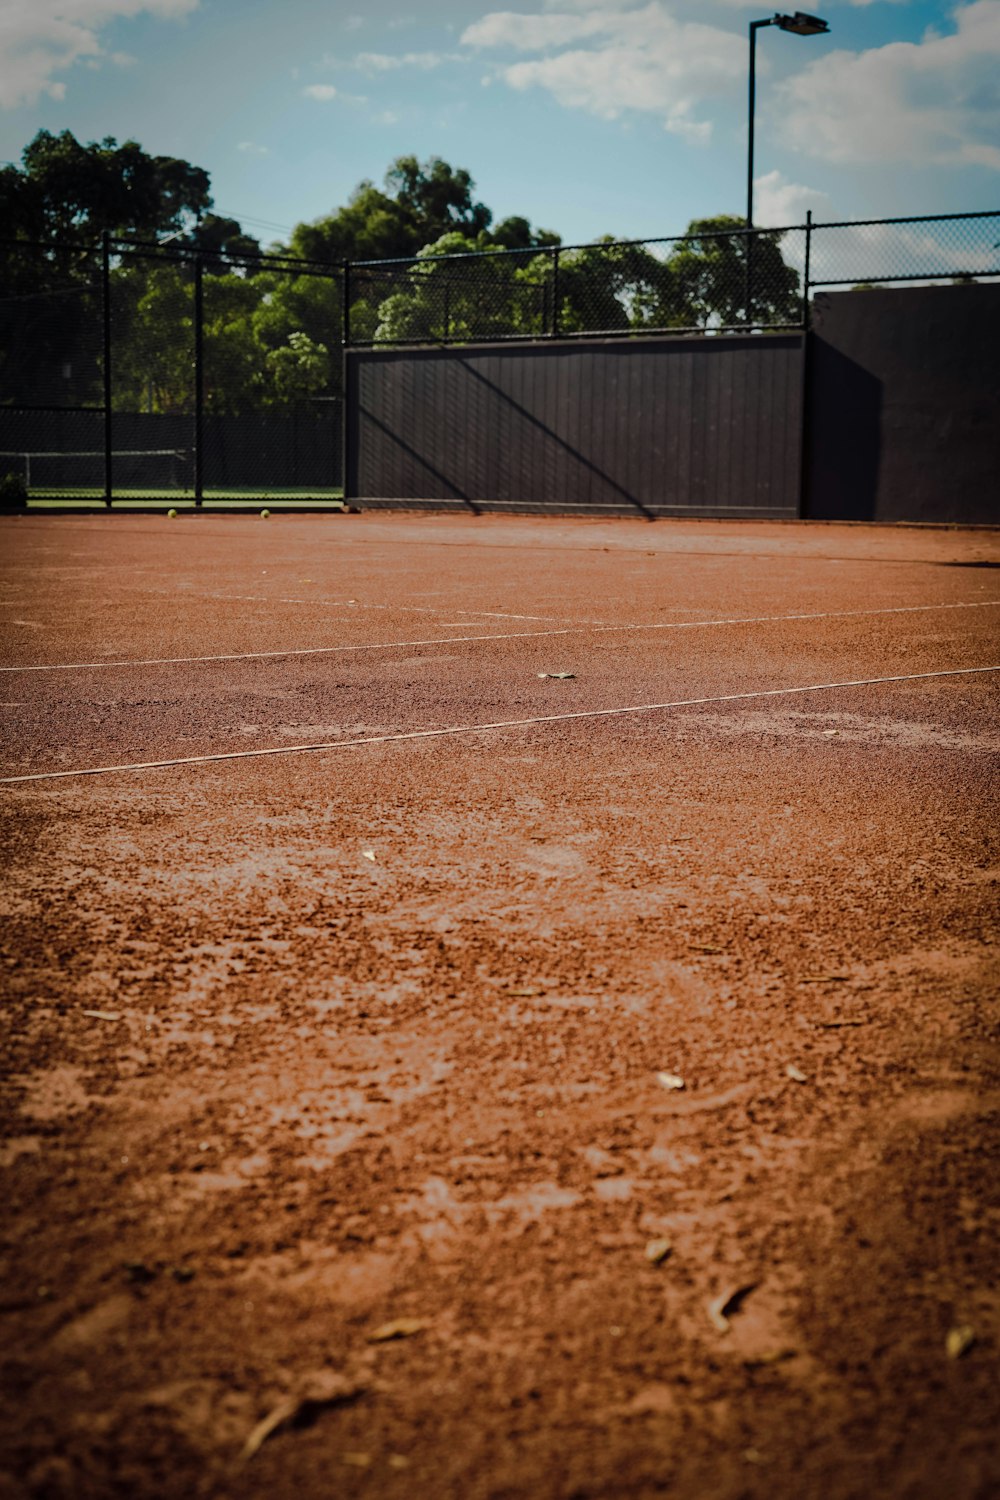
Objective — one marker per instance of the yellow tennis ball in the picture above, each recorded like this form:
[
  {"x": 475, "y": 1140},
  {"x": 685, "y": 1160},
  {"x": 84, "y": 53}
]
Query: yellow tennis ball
[
  {"x": 172, "y": 513},
  {"x": 264, "y": 514}
]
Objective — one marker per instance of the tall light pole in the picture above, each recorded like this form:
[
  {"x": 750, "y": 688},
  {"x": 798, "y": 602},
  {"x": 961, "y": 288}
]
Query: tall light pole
[{"x": 801, "y": 25}]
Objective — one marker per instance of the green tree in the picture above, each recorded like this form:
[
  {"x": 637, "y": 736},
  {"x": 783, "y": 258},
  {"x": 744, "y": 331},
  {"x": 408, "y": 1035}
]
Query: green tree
[
  {"x": 257, "y": 355},
  {"x": 297, "y": 327},
  {"x": 67, "y": 190},
  {"x": 452, "y": 292},
  {"x": 436, "y": 197},
  {"x": 220, "y": 240},
  {"x": 606, "y": 287},
  {"x": 153, "y": 348},
  {"x": 710, "y": 276},
  {"x": 235, "y": 372},
  {"x": 418, "y": 203},
  {"x": 299, "y": 370},
  {"x": 702, "y": 283},
  {"x": 516, "y": 233}
]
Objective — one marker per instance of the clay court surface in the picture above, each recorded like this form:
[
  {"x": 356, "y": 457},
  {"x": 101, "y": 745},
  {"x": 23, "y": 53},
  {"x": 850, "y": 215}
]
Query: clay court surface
[{"x": 332, "y": 1076}]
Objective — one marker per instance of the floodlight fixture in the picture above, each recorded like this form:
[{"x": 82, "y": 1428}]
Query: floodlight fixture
[{"x": 802, "y": 24}]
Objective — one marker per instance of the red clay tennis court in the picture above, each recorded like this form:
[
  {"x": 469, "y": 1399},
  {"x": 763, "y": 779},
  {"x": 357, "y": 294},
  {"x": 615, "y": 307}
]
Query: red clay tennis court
[{"x": 499, "y": 1007}]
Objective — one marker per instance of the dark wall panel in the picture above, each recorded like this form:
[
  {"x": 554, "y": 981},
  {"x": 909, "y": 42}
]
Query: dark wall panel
[
  {"x": 659, "y": 427},
  {"x": 252, "y": 450},
  {"x": 904, "y": 405}
]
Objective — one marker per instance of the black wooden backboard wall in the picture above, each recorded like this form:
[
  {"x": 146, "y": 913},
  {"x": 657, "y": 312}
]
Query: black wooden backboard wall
[{"x": 673, "y": 426}]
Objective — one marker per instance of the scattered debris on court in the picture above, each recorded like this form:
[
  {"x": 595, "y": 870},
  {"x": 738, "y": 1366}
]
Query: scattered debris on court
[
  {"x": 723, "y": 1307},
  {"x": 315, "y": 1391},
  {"x": 960, "y": 1340},
  {"x": 669, "y": 1081},
  {"x": 399, "y": 1328}
]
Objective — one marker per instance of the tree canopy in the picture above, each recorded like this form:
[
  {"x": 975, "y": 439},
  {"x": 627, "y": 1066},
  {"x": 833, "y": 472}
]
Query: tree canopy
[
  {"x": 69, "y": 191},
  {"x": 418, "y": 203},
  {"x": 271, "y": 331}
]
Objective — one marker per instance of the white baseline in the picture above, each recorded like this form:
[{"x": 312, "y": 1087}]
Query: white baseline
[{"x": 515, "y": 635}]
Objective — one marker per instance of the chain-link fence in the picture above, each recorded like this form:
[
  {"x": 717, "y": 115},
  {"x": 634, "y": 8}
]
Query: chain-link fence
[
  {"x": 451, "y": 299},
  {"x": 712, "y": 282},
  {"x": 51, "y": 366},
  {"x": 943, "y": 248},
  {"x": 136, "y": 373},
  {"x": 141, "y": 372},
  {"x": 271, "y": 400},
  {"x": 729, "y": 281},
  {"x": 152, "y": 376}
]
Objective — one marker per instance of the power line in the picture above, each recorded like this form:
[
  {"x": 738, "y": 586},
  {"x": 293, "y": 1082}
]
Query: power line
[{"x": 257, "y": 223}]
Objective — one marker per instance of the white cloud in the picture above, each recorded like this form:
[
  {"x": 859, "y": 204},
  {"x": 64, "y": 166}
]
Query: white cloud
[
  {"x": 252, "y": 149},
  {"x": 385, "y": 62},
  {"x": 777, "y": 202},
  {"x": 639, "y": 58},
  {"x": 321, "y": 91},
  {"x": 40, "y": 38},
  {"x": 866, "y": 252},
  {"x": 847, "y": 253},
  {"x": 504, "y": 28},
  {"x": 933, "y": 101}
]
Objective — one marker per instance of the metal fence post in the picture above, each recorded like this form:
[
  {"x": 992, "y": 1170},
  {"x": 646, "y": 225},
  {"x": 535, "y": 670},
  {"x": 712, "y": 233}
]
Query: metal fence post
[
  {"x": 199, "y": 377},
  {"x": 806, "y": 271},
  {"x": 749, "y": 280},
  {"x": 554, "y": 329},
  {"x": 805, "y": 434},
  {"x": 106, "y": 310},
  {"x": 345, "y": 342}
]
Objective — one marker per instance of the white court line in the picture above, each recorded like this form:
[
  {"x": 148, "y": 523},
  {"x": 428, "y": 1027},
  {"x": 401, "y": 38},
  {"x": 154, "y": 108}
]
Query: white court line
[
  {"x": 515, "y": 635},
  {"x": 412, "y": 609},
  {"x": 178, "y": 661},
  {"x": 432, "y": 734}
]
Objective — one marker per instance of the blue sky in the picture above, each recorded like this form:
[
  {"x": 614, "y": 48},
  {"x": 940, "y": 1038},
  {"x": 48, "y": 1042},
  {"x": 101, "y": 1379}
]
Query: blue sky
[{"x": 587, "y": 116}]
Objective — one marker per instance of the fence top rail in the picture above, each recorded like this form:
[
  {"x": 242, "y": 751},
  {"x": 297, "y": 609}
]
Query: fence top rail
[
  {"x": 662, "y": 331},
  {"x": 952, "y": 277},
  {"x": 162, "y": 251},
  {"x": 985, "y": 213}
]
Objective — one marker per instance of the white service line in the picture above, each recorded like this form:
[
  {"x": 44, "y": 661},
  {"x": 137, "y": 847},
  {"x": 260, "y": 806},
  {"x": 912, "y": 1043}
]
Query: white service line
[
  {"x": 515, "y": 635},
  {"x": 431, "y": 734},
  {"x": 177, "y": 661}
]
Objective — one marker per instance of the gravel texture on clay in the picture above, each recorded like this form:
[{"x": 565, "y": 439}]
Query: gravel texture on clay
[{"x": 601, "y": 1106}]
